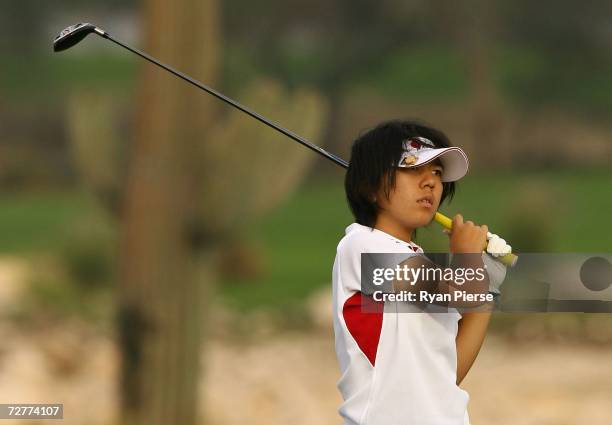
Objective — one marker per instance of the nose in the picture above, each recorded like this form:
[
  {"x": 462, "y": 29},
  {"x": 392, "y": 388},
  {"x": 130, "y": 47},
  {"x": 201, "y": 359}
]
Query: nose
[{"x": 428, "y": 179}]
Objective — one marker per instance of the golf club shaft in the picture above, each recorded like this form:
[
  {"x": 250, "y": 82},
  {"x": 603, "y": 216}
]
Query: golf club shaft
[{"x": 226, "y": 99}]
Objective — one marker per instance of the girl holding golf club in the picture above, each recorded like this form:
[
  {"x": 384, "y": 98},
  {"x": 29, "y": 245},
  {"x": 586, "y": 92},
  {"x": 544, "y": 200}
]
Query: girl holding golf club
[{"x": 402, "y": 363}]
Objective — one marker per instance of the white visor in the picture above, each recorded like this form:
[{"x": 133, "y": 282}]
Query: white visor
[{"x": 419, "y": 151}]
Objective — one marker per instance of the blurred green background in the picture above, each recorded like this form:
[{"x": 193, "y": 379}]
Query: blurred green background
[
  {"x": 296, "y": 241},
  {"x": 524, "y": 87}
]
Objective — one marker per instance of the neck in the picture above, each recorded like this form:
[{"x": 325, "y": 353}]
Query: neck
[{"x": 392, "y": 227}]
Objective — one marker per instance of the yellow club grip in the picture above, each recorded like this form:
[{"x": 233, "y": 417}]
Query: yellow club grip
[{"x": 507, "y": 260}]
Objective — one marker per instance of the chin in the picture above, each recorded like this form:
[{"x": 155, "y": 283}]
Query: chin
[
  {"x": 421, "y": 221},
  {"x": 427, "y": 219}
]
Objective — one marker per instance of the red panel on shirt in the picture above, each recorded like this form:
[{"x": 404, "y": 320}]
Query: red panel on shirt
[{"x": 363, "y": 317}]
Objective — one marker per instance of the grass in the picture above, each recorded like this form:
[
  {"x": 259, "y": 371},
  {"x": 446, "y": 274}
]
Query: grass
[
  {"x": 300, "y": 237},
  {"x": 38, "y": 222},
  {"x": 300, "y": 241},
  {"x": 21, "y": 81}
]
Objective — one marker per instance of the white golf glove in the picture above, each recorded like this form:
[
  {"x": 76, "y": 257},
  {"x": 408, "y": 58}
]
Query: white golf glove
[
  {"x": 496, "y": 272},
  {"x": 496, "y": 246}
]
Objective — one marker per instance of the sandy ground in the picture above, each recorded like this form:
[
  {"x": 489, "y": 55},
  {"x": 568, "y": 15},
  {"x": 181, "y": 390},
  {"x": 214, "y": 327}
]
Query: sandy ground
[
  {"x": 518, "y": 385},
  {"x": 290, "y": 378}
]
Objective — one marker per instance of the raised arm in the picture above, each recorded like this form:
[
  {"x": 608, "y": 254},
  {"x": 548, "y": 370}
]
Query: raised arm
[{"x": 470, "y": 335}]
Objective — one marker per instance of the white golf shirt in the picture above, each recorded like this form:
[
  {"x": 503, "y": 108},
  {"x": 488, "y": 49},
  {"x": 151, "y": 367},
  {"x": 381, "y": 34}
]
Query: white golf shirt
[{"x": 397, "y": 368}]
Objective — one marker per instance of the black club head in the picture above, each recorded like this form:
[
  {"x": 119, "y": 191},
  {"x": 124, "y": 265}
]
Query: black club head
[{"x": 72, "y": 35}]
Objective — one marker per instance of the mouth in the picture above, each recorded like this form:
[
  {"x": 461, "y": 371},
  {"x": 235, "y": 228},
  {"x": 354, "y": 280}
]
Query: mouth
[{"x": 426, "y": 201}]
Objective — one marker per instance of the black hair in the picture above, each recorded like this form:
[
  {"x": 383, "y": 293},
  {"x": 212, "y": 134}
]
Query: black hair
[{"x": 374, "y": 156}]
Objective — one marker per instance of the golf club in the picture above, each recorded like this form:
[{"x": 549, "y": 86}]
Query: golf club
[{"x": 75, "y": 33}]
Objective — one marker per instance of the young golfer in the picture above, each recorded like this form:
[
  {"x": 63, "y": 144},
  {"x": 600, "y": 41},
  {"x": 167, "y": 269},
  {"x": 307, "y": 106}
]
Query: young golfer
[{"x": 401, "y": 364}]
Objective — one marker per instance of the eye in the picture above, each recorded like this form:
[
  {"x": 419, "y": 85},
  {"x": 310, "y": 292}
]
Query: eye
[{"x": 438, "y": 171}]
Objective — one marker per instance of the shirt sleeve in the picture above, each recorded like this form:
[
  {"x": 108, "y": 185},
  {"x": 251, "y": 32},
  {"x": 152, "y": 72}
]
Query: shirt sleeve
[{"x": 352, "y": 262}]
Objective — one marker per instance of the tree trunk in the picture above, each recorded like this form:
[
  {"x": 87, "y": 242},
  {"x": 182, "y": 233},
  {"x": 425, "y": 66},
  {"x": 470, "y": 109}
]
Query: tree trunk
[
  {"x": 161, "y": 295},
  {"x": 477, "y": 38}
]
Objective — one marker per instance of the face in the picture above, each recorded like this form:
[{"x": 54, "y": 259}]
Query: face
[{"x": 415, "y": 198}]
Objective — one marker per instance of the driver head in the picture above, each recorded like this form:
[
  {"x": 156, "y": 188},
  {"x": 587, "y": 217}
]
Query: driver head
[{"x": 72, "y": 35}]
